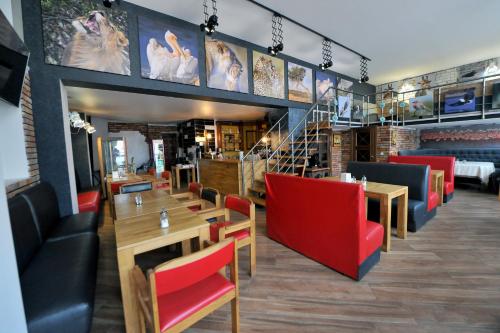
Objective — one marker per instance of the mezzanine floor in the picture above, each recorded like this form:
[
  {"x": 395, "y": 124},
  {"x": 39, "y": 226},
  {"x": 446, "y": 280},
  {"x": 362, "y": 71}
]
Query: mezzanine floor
[{"x": 445, "y": 278}]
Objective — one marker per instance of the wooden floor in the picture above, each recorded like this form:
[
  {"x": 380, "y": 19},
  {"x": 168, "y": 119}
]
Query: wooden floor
[{"x": 445, "y": 278}]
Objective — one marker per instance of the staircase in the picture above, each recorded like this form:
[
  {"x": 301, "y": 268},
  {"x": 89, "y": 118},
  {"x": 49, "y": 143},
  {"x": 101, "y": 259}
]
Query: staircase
[{"x": 284, "y": 150}]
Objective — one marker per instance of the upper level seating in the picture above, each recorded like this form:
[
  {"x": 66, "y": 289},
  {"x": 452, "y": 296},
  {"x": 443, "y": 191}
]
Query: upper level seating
[
  {"x": 445, "y": 163},
  {"x": 325, "y": 221},
  {"x": 416, "y": 177}
]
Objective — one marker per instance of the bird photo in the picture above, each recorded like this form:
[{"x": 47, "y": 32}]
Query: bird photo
[
  {"x": 168, "y": 52},
  {"x": 460, "y": 101}
]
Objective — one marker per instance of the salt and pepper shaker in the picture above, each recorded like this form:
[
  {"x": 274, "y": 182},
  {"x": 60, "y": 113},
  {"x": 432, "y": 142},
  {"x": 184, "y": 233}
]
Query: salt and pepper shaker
[
  {"x": 164, "y": 218},
  {"x": 363, "y": 182},
  {"x": 138, "y": 199}
]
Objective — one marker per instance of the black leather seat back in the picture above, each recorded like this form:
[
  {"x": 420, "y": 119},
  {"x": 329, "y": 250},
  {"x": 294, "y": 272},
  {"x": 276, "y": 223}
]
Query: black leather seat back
[
  {"x": 24, "y": 231},
  {"x": 469, "y": 154},
  {"x": 138, "y": 187},
  {"x": 416, "y": 177},
  {"x": 209, "y": 194},
  {"x": 42, "y": 200}
]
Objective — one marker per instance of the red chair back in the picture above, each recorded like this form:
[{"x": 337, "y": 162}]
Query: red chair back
[
  {"x": 195, "y": 188},
  {"x": 152, "y": 171},
  {"x": 238, "y": 204},
  {"x": 165, "y": 175},
  {"x": 322, "y": 219},
  {"x": 171, "y": 280},
  {"x": 115, "y": 187}
]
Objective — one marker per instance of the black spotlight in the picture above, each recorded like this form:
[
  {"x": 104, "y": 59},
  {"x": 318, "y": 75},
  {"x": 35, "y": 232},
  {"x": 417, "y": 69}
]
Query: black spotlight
[
  {"x": 277, "y": 36},
  {"x": 363, "y": 70},
  {"x": 326, "y": 54},
  {"x": 107, "y": 3},
  {"x": 211, "y": 22}
]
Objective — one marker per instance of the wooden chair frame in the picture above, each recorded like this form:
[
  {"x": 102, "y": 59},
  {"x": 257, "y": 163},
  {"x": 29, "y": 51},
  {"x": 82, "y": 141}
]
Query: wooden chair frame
[
  {"x": 136, "y": 183},
  {"x": 237, "y": 226},
  {"x": 147, "y": 299}
]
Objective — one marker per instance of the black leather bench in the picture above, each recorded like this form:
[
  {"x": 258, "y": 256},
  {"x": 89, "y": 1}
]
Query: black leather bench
[
  {"x": 57, "y": 262},
  {"x": 416, "y": 177},
  {"x": 468, "y": 154}
]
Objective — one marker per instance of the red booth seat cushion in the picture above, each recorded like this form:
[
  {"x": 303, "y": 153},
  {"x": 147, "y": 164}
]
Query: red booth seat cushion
[
  {"x": 89, "y": 202},
  {"x": 176, "y": 306},
  {"x": 214, "y": 231},
  {"x": 195, "y": 208},
  {"x": 163, "y": 186},
  {"x": 433, "y": 201},
  {"x": 374, "y": 236},
  {"x": 448, "y": 188}
]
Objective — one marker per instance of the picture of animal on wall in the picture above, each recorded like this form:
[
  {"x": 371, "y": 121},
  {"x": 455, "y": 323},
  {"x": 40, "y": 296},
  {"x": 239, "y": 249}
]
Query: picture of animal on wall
[
  {"x": 299, "y": 83},
  {"x": 268, "y": 75},
  {"x": 227, "y": 65},
  {"x": 85, "y": 34},
  {"x": 324, "y": 81},
  {"x": 169, "y": 52}
]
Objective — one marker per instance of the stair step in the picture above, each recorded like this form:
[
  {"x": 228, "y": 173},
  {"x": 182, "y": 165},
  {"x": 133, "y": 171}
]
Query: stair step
[
  {"x": 257, "y": 189},
  {"x": 308, "y": 142},
  {"x": 321, "y": 125},
  {"x": 257, "y": 200}
]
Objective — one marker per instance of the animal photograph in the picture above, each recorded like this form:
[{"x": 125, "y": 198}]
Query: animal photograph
[
  {"x": 299, "y": 83},
  {"x": 227, "y": 65},
  {"x": 324, "y": 81},
  {"x": 268, "y": 75},
  {"x": 168, "y": 52},
  {"x": 345, "y": 98},
  {"x": 496, "y": 96},
  {"x": 85, "y": 34},
  {"x": 463, "y": 100},
  {"x": 420, "y": 107}
]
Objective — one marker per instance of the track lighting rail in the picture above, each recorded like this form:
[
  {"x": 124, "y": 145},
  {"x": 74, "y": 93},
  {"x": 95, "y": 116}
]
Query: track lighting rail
[{"x": 307, "y": 28}]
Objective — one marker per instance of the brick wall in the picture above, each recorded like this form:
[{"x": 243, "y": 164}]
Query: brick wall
[
  {"x": 342, "y": 154},
  {"x": 29, "y": 137},
  {"x": 151, "y": 132},
  {"x": 392, "y": 139}
]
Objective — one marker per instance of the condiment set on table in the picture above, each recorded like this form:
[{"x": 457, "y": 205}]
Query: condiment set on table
[
  {"x": 346, "y": 178},
  {"x": 163, "y": 214}
]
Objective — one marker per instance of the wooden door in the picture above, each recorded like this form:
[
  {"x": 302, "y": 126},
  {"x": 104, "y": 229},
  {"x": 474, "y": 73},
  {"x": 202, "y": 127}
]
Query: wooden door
[{"x": 364, "y": 144}]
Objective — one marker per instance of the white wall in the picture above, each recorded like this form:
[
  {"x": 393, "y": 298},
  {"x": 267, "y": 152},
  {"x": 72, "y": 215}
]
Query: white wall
[
  {"x": 12, "y": 316},
  {"x": 136, "y": 146},
  {"x": 101, "y": 130}
]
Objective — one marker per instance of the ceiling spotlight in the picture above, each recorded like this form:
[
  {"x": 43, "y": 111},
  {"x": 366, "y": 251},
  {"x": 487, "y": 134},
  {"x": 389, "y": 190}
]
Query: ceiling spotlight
[
  {"x": 277, "y": 46},
  {"x": 326, "y": 54},
  {"x": 212, "y": 21},
  {"x": 364, "y": 70}
]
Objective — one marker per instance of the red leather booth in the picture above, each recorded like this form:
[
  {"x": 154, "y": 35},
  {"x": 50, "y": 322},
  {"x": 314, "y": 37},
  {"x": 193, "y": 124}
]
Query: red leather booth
[
  {"x": 323, "y": 220},
  {"x": 445, "y": 163},
  {"x": 89, "y": 201}
]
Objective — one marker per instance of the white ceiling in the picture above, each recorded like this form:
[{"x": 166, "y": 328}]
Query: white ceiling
[
  {"x": 125, "y": 106},
  {"x": 403, "y": 38}
]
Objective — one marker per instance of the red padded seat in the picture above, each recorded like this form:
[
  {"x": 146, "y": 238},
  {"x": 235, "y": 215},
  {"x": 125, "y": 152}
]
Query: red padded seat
[
  {"x": 374, "y": 236},
  {"x": 179, "y": 305},
  {"x": 195, "y": 208},
  {"x": 214, "y": 231},
  {"x": 433, "y": 201},
  {"x": 89, "y": 201}
]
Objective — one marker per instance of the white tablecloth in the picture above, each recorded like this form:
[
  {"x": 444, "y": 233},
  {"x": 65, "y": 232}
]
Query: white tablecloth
[{"x": 481, "y": 170}]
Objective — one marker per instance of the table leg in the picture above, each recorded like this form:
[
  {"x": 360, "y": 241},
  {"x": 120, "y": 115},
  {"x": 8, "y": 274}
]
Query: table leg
[
  {"x": 126, "y": 263},
  {"x": 204, "y": 236},
  {"x": 178, "y": 178},
  {"x": 186, "y": 247},
  {"x": 385, "y": 220},
  {"x": 193, "y": 175},
  {"x": 440, "y": 189},
  {"x": 403, "y": 215}
]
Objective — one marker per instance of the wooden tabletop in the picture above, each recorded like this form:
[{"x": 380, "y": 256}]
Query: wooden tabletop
[
  {"x": 377, "y": 188},
  {"x": 127, "y": 178},
  {"x": 143, "y": 232},
  {"x": 152, "y": 202}
]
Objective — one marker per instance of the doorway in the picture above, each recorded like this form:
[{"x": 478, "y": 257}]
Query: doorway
[{"x": 364, "y": 144}]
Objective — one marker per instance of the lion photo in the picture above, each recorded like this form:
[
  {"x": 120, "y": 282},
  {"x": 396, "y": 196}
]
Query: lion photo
[{"x": 85, "y": 34}]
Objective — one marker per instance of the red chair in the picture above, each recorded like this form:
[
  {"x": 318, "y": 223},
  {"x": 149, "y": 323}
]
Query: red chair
[
  {"x": 324, "y": 220},
  {"x": 243, "y": 231},
  {"x": 152, "y": 171},
  {"x": 183, "y": 291},
  {"x": 165, "y": 183},
  {"x": 191, "y": 197},
  {"x": 89, "y": 201},
  {"x": 445, "y": 163}
]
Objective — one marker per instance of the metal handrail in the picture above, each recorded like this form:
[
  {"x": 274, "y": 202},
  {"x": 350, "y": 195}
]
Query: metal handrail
[
  {"x": 264, "y": 136},
  {"x": 303, "y": 120}
]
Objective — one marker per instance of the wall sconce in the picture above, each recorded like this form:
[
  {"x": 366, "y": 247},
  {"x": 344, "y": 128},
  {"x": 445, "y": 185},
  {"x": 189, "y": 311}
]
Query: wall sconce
[
  {"x": 77, "y": 122},
  {"x": 209, "y": 136}
]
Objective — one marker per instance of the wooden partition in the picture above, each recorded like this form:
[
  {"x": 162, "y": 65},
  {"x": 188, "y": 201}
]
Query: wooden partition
[{"x": 226, "y": 175}]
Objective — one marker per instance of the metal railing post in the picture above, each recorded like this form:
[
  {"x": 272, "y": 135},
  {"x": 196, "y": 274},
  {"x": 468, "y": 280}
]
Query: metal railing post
[
  {"x": 305, "y": 136},
  {"x": 243, "y": 176},
  {"x": 293, "y": 153}
]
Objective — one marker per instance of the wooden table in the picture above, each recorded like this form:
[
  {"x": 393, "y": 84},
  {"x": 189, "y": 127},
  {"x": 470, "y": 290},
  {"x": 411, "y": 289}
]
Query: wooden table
[
  {"x": 385, "y": 193},
  {"x": 152, "y": 202},
  {"x": 142, "y": 234},
  {"x": 176, "y": 172},
  {"x": 437, "y": 184},
  {"x": 127, "y": 179}
]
